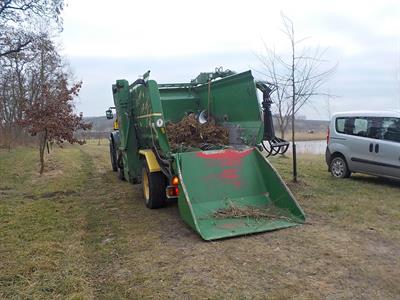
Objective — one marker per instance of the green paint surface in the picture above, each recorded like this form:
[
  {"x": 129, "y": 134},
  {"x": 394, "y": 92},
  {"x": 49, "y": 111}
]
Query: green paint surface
[{"x": 216, "y": 180}]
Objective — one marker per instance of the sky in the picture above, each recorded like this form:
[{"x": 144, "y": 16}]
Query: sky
[{"x": 176, "y": 39}]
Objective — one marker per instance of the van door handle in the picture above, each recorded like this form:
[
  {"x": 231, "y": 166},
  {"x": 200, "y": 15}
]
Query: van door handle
[
  {"x": 371, "y": 147},
  {"x": 376, "y": 148}
]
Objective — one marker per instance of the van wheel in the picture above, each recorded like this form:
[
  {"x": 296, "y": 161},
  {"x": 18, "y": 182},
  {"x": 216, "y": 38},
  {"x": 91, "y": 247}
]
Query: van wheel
[
  {"x": 339, "y": 168},
  {"x": 153, "y": 185}
]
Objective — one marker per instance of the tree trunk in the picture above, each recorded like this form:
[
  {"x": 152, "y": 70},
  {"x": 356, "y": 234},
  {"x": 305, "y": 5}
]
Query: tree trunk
[
  {"x": 42, "y": 147},
  {"x": 282, "y": 131},
  {"x": 293, "y": 111},
  {"x": 6, "y": 137}
]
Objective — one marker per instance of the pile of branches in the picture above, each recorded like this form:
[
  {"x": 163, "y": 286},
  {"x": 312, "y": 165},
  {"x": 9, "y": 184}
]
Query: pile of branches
[
  {"x": 190, "y": 133},
  {"x": 235, "y": 211}
]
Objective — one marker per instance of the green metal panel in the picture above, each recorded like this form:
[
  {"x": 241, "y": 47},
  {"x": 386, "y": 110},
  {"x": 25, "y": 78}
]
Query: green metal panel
[
  {"x": 176, "y": 102},
  {"x": 148, "y": 110},
  {"x": 234, "y": 101},
  {"x": 213, "y": 180},
  {"x": 159, "y": 137},
  {"x": 234, "y": 96},
  {"x": 128, "y": 139}
]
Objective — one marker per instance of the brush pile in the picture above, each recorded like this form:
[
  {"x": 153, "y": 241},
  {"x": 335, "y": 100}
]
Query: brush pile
[
  {"x": 235, "y": 211},
  {"x": 190, "y": 133}
]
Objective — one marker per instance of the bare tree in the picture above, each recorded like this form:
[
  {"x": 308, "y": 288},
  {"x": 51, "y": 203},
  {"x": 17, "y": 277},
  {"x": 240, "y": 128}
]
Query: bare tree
[
  {"x": 36, "y": 93},
  {"x": 19, "y": 23},
  {"x": 397, "y": 72},
  {"x": 328, "y": 105},
  {"x": 35, "y": 88},
  {"x": 20, "y": 82},
  {"x": 296, "y": 77},
  {"x": 17, "y": 17},
  {"x": 20, "y": 10}
]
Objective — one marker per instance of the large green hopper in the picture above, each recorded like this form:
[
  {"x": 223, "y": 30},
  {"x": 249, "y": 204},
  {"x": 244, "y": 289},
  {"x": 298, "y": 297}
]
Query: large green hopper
[
  {"x": 214, "y": 181},
  {"x": 227, "y": 191}
]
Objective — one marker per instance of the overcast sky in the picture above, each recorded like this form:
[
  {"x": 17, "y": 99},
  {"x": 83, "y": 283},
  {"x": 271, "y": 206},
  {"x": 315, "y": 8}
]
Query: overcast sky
[{"x": 176, "y": 40}]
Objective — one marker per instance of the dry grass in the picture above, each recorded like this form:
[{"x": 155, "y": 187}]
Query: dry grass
[
  {"x": 268, "y": 212},
  {"x": 100, "y": 242}
]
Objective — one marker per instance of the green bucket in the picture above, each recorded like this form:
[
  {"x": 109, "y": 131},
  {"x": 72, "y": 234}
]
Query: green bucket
[{"x": 226, "y": 193}]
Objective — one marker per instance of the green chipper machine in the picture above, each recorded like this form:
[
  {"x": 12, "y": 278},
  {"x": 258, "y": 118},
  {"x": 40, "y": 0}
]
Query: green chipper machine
[{"x": 222, "y": 190}]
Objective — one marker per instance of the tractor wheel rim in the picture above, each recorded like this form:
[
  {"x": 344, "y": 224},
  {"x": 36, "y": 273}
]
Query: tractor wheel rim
[
  {"x": 338, "y": 168},
  {"x": 146, "y": 189}
]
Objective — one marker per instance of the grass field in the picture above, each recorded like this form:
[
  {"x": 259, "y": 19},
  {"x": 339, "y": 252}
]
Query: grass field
[{"x": 78, "y": 233}]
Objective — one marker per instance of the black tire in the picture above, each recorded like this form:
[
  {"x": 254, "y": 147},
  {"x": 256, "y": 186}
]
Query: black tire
[
  {"x": 339, "y": 168},
  {"x": 153, "y": 186},
  {"x": 120, "y": 165},
  {"x": 113, "y": 157},
  {"x": 121, "y": 174}
]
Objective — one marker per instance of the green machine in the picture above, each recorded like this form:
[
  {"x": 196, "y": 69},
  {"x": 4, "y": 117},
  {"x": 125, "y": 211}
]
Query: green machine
[{"x": 221, "y": 190}]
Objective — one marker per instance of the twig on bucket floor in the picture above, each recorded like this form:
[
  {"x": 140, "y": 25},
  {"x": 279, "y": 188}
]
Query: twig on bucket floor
[{"x": 235, "y": 211}]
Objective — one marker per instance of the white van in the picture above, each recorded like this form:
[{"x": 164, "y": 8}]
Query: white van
[{"x": 365, "y": 142}]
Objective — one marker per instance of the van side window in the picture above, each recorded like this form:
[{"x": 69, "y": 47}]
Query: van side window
[
  {"x": 345, "y": 125},
  {"x": 375, "y": 130},
  {"x": 340, "y": 124},
  {"x": 348, "y": 126},
  {"x": 360, "y": 127},
  {"x": 372, "y": 127},
  {"x": 391, "y": 129}
]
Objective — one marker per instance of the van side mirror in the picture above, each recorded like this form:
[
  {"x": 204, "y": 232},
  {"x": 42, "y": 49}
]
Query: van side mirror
[{"x": 109, "y": 114}]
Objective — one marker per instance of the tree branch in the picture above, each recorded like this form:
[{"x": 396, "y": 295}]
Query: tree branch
[{"x": 18, "y": 48}]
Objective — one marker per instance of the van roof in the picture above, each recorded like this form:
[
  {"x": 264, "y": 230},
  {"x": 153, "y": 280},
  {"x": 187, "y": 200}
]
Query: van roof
[{"x": 395, "y": 113}]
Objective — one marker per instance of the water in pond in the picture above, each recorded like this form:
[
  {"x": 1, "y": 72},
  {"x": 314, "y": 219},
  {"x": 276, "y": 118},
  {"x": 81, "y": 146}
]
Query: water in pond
[{"x": 309, "y": 147}]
